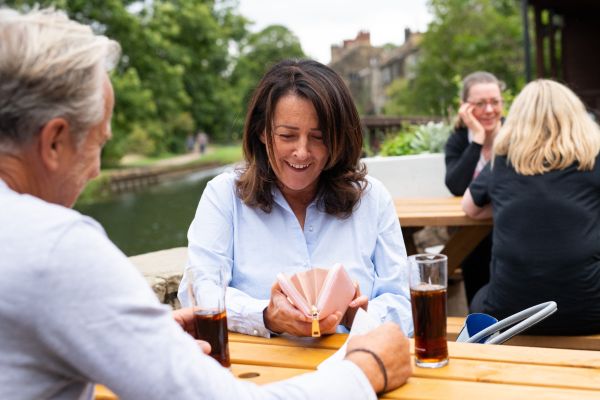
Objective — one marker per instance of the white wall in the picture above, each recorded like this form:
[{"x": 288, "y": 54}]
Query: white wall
[{"x": 420, "y": 175}]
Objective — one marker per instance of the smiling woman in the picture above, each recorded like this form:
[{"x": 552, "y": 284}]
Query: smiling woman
[
  {"x": 299, "y": 154},
  {"x": 467, "y": 151},
  {"x": 301, "y": 200}
]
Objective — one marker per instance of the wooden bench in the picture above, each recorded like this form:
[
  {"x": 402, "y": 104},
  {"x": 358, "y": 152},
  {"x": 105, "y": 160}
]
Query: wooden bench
[{"x": 583, "y": 342}]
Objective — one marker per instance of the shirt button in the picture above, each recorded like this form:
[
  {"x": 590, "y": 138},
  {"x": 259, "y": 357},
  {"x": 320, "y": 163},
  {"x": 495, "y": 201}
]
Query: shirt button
[
  {"x": 310, "y": 228},
  {"x": 255, "y": 332}
]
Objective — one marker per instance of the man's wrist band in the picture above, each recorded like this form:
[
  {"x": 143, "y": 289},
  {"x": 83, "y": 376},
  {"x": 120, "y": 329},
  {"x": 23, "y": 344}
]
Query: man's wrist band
[{"x": 379, "y": 362}]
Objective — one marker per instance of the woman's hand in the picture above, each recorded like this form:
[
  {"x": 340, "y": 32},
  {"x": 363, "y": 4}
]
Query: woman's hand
[
  {"x": 359, "y": 301},
  {"x": 185, "y": 318},
  {"x": 466, "y": 114},
  {"x": 282, "y": 317}
]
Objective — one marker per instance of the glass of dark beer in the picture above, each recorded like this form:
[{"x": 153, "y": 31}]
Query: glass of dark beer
[
  {"x": 428, "y": 294},
  {"x": 207, "y": 293}
]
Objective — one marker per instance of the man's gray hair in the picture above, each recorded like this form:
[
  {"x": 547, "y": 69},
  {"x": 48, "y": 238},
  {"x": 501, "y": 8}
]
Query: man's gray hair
[{"x": 50, "y": 67}]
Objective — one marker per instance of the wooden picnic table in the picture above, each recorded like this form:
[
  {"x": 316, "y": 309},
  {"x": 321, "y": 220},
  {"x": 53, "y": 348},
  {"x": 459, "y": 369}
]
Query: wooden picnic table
[
  {"x": 474, "y": 372},
  {"x": 467, "y": 233}
]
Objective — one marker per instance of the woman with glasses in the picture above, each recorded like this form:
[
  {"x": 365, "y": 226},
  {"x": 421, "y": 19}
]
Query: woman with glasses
[
  {"x": 467, "y": 151},
  {"x": 543, "y": 186},
  {"x": 302, "y": 199}
]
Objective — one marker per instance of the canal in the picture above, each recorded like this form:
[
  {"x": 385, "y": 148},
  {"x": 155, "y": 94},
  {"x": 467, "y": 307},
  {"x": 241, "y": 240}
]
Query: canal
[{"x": 154, "y": 218}]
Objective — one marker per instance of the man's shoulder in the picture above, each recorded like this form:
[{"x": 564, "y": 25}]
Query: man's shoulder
[
  {"x": 30, "y": 216},
  {"x": 54, "y": 213}
]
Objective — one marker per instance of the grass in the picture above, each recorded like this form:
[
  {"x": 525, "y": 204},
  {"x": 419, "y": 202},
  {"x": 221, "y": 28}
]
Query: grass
[
  {"x": 221, "y": 155},
  {"x": 217, "y": 154}
]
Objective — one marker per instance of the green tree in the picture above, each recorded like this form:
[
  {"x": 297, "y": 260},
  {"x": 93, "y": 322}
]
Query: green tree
[
  {"x": 172, "y": 77},
  {"x": 177, "y": 74},
  {"x": 258, "y": 52},
  {"x": 464, "y": 36}
]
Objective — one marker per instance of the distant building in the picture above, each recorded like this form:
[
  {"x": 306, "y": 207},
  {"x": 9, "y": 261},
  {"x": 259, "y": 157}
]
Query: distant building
[{"x": 369, "y": 70}]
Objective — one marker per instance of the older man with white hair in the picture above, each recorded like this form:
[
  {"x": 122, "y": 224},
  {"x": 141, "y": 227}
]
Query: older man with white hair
[{"x": 73, "y": 310}]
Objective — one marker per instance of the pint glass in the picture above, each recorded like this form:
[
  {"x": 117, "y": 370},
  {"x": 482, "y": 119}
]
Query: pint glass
[{"x": 428, "y": 294}]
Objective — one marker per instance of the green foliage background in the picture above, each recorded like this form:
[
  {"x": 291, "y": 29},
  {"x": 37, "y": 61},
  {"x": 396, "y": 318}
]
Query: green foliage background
[
  {"x": 191, "y": 65},
  {"x": 187, "y": 65},
  {"x": 417, "y": 139},
  {"x": 464, "y": 36}
]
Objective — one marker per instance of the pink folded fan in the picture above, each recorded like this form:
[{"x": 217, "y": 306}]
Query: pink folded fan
[{"x": 319, "y": 292}]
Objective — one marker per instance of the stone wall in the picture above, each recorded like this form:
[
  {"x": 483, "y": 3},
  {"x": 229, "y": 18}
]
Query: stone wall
[{"x": 163, "y": 271}]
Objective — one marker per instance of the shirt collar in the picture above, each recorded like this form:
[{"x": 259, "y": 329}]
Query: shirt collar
[{"x": 280, "y": 199}]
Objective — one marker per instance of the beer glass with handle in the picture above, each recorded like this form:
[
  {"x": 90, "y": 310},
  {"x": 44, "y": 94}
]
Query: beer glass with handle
[{"x": 428, "y": 294}]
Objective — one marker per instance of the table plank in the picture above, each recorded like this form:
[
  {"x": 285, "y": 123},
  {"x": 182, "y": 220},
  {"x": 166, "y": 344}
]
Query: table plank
[
  {"x": 442, "y": 211},
  {"x": 507, "y": 364},
  {"x": 526, "y": 355},
  {"x": 514, "y": 373},
  {"x": 333, "y": 342},
  {"x": 521, "y": 354},
  {"x": 277, "y": 355},
  {"x": 101, "y": 392},
  {"x": 266, "y": 374},
  {"x": 435, "y": 389}
]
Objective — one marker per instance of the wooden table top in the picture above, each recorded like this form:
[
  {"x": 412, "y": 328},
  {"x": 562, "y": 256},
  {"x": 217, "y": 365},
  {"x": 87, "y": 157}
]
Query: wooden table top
[
  {"x": 474, "y": 372},
  {"x": 434, "y": 211}
]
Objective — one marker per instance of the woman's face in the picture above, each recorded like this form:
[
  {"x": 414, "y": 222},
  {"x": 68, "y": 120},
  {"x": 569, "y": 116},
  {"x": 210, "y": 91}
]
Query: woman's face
[
  {"x": 300, "y": 154},
  {"x": 487, "y": 104}
]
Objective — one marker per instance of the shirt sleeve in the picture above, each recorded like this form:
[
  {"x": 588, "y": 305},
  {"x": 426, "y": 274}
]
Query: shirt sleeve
[
  {"x": 210, "y": 248},
  {"x": 461, "y": 160},
  {"x": 390, "y": 298},
  {"x": 479, "y": 187},
  {"x": 101, "y": 322}
]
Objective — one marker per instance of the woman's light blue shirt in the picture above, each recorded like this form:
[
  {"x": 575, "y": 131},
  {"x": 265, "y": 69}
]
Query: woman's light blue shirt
[{"x": 254, "y": 246}]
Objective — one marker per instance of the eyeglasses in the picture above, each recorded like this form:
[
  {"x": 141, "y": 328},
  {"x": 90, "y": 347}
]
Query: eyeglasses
[{"x": 482, "y": 105}]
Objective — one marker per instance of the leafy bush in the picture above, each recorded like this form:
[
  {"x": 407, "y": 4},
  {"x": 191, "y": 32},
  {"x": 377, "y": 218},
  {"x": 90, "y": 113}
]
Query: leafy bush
[
  {"x": 398, "y": 145},
  {"x": 429, "y": 138}
]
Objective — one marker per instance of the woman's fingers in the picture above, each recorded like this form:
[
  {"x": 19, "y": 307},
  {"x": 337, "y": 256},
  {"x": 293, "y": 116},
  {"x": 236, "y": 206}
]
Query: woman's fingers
[
  {"x": 330, "y": 323},
  {"x": 359, "y": 302}
]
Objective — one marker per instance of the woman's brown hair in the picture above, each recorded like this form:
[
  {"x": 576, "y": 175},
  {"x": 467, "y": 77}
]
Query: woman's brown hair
[{"x": 342, "y": 180}]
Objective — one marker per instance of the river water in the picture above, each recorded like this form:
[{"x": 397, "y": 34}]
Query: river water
[{"x": 154, "y": 218}]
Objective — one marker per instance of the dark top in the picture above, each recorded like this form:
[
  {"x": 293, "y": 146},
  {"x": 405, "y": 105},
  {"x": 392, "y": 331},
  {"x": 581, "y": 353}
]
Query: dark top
[
  {"x": 546, "y": 244},
  {"x": 461, "y": 159}
]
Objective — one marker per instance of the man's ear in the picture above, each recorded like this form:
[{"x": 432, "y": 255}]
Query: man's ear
[
  {"x": 262, "y": 137},
  {"x": 54, "y": 140}
]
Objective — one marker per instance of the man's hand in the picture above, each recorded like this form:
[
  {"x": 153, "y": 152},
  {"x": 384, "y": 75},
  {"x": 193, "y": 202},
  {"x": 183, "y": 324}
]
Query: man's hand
[
  {"x": 391, "y": 347},
  {"x": 282, "y": 317},
  {"x": 185, "y": 318}
]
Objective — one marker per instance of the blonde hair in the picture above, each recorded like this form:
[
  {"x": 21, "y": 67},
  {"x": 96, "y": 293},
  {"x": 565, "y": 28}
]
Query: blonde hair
[
  {"x": 50, "y": 67},
  {"x": 548, "y": 128}
]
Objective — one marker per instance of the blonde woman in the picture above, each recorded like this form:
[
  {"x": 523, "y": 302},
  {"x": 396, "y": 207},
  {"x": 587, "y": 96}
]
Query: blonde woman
[
  {"x": 467, "y": 151},
  {"x": 544, "y": 190}
]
